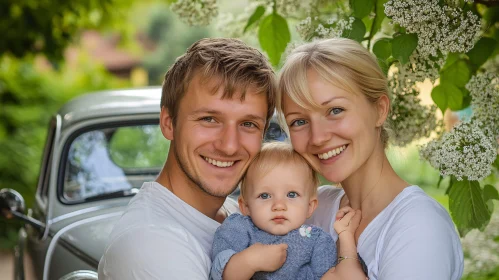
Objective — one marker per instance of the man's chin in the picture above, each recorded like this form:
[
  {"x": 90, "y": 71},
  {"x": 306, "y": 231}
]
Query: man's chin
[{"x": 217, "y": 191}]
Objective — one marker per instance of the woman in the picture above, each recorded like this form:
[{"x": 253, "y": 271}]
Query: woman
[{"x": 333, "y": 98}]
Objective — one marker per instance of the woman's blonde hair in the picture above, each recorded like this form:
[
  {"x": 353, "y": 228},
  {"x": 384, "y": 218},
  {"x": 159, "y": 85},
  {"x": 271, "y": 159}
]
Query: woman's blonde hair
[
  {"x": 272, "y": 155},
  {"x": 342, "y": 62}
]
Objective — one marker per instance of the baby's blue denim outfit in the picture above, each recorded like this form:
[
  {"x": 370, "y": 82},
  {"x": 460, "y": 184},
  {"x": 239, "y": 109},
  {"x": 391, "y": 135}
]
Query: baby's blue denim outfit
[{"x": 311, "y": 251}]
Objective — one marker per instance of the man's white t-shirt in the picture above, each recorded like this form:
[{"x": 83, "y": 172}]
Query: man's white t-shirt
[
  {"x": 159, "y": 236},
  {"x": 412, "y": 238}
]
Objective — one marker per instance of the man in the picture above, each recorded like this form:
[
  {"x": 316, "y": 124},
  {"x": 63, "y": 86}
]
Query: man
[{"x": 217, "y": 100}]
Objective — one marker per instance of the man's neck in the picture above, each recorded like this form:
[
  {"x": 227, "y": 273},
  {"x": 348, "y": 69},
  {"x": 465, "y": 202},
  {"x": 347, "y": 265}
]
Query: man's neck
[{"x": 175, "y": 180}]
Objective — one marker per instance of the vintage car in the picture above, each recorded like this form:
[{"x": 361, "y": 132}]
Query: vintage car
[{"x": 100, "y": 148}]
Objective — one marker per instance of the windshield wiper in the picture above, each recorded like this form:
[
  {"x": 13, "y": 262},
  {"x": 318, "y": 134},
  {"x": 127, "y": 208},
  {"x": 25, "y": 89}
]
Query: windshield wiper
[{"x": 116, "y": 194}]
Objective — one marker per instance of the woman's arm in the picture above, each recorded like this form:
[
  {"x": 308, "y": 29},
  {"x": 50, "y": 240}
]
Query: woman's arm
[{"x": 348, "y": 267}]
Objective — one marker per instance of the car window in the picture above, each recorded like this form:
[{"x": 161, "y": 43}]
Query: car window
[{"x": 110, "y": 160}]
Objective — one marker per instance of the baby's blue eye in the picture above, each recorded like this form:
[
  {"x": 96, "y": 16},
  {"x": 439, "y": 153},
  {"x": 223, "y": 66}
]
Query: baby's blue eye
[
  {"x": 292, "y": 195},
  {"x": 264, "y": 196}
]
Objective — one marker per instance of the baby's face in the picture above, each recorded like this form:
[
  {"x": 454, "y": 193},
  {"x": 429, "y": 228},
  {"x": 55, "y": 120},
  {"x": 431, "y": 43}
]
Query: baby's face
[{"x": 280, "y": 201}]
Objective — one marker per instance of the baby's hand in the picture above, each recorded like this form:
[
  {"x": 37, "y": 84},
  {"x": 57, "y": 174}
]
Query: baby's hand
[
  {"x": 267, "y": 257},
  {"x": 347, "y": 220}
]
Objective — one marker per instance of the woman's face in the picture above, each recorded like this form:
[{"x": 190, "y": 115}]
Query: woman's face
[{"x": 338, "y": 138}]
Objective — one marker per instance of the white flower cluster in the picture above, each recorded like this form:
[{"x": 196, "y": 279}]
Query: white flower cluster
[
  {"x": 409, "y": 119},
  {"x": 466, "y": 151},
  {"x": 196, "y": 12},
  {"x": 439, "y": 28},
  {"x": 481, "y": 254},
  {"x": 419, "y": 68},
  {"x": 484, "y": 90},
  {"x": 335, "y": 27}
]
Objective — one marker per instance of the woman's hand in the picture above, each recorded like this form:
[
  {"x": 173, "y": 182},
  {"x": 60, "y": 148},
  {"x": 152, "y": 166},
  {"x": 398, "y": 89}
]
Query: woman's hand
[{"x": 347, "y": 220}]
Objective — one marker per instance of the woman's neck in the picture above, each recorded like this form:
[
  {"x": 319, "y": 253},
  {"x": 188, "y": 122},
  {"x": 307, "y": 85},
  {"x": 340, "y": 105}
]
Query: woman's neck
[{"x": 375, "y": 184}]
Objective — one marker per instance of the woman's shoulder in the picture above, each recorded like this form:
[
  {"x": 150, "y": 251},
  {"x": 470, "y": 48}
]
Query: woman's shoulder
[{"x": 413, "y": 207}]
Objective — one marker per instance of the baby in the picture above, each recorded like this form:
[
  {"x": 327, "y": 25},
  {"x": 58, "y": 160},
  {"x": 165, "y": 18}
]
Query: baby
[{"x": 270, "y": 240}]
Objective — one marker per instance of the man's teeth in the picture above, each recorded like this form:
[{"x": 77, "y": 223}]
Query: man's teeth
[
  {"x": 332, "y": 153},
  {"x": 219, "y": 163}
]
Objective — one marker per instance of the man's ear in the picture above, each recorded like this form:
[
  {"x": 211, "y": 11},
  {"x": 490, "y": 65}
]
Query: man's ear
[
  {"x": 383, "y": 107},
  {"x": 243, "y": 207},
  {"x": 312, "y": 205},
  {"x": 166, "y": 123}
]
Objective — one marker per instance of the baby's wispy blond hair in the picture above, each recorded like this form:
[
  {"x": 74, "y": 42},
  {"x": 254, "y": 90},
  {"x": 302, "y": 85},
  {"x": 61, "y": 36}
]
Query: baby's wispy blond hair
[{"x": 273, "y": 154}]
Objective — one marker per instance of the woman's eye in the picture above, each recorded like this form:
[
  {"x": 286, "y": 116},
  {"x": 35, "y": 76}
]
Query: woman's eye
[
  {"x": 298, "y": 123},
  {"x": 336, "y": 111},
  {"x": 292, "y": 195},
  {"x": 264, "y": 196}
]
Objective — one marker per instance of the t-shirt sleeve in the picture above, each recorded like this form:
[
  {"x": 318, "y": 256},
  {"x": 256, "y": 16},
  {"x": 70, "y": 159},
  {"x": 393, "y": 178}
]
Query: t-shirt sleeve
[
  {"x": 154, "y": 253},
  {"x": 324, "y": 255},
  {"x": 230, "y": 238},
  {"x": 422, "y": 245}
]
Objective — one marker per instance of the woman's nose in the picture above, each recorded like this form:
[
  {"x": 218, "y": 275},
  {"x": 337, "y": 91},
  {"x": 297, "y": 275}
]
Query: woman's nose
[{"x": 319, "y": 132}]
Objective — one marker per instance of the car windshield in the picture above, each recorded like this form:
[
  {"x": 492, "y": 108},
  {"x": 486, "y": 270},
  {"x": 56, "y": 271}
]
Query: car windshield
[{"x": 111, "y": 160}]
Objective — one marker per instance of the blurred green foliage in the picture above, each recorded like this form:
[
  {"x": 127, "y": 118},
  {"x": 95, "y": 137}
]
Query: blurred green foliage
[
  {"x": 172, "y": 38},
  {"x": 29, "y": 97},
  {"x": 33, "y": 26}
]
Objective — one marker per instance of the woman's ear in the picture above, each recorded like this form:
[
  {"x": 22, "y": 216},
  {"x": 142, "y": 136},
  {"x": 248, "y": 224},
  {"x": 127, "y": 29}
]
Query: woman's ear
[
  {"x": 312, "y": 204},
  {"x": 243, "y": 207},
  {"x": 166, "y": 123},
  {"x": 383, "y": 107}
]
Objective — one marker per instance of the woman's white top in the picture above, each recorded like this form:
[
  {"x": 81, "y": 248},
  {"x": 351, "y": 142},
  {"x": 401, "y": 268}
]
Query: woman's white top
[{"x": 412, "y": 238}]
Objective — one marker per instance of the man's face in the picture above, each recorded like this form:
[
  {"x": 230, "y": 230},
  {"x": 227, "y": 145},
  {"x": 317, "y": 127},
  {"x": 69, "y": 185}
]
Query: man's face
[{"x": 215, "y": 139}]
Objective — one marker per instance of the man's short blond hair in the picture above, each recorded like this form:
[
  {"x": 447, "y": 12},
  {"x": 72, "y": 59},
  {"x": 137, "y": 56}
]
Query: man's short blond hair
[
  {"x": 272, "y": 155},
  {"x": 233, "y": 65}
]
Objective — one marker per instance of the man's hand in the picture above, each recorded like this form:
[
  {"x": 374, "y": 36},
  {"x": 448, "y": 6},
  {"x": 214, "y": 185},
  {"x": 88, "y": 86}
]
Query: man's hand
[
  {"x": 347, "y": 220},
  {"x": 266, "y": 257}
]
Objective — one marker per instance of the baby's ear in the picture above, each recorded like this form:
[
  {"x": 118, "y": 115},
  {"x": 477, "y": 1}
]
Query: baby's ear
[
  {"x": 243, "y": 207},
  {"x": 312, "y": 205}
]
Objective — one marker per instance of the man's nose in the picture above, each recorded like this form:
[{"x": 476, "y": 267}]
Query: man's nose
[{"x": 229, "y": 141}]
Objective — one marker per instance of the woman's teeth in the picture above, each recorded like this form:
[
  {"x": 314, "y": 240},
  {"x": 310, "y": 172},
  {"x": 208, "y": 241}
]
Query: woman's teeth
[
  {"x": 332, "y": 153},
  {"x": 219, "y": 163}
]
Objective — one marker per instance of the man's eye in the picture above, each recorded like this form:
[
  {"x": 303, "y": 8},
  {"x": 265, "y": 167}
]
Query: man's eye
[
  {"x": 208, "y": 119},
  {"x": 264, "y": 196},
  {"x": 298, "y": 123},
  {"x": 249, "y": 124},
  {"x": 336, "y": 111},
  {"x": 292, "y": 194}
]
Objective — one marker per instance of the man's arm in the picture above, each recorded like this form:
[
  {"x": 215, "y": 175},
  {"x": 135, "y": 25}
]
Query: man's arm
[{"x": 154, "y": 253}]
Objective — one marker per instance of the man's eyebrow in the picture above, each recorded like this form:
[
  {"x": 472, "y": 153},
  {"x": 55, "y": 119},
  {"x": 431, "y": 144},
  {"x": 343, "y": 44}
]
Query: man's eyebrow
[
  {"x": 255, "y": 117},
  {"x": 206, "y": 111},
  {"x": 216, "y": 112}
]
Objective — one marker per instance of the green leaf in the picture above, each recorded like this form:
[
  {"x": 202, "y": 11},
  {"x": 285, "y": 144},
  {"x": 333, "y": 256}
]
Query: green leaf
[
  {"x": 274, "y": 36},
  {"x": 458, "y": 73},
  {"x": 357, "y": 32},
  {"x": 384, "y": 66},
  {"x": 403, "y": 46},
  {"x": 467, "y": 207},
  {"x": 383, "y": 48},
  {"x": 496, "y": 239},
  {"x": 380, "y": 15},
  {"x": 482, "y": 51},
  {"x": 451, "y": 59},
  {"x": 490, "y": 192},
  {"x": 361, "y": 8},
  {"x": 440, "y": 178},
  {"x": 447, "y": 95},
  {"x": 257, "y": 14}
]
